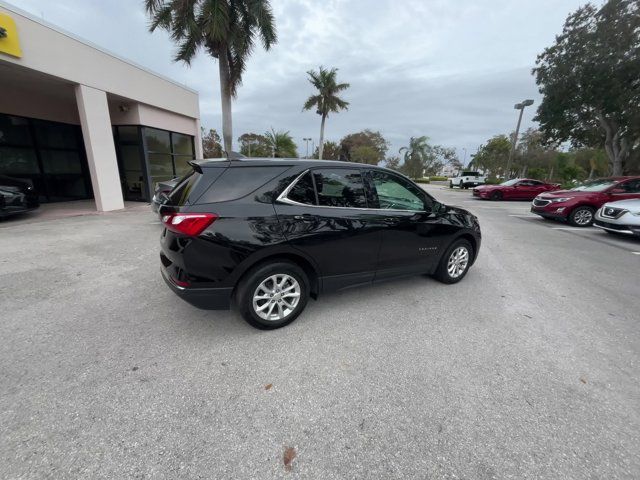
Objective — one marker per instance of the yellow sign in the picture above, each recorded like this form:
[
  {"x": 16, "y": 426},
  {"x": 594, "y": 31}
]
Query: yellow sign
[{"x": 9, "y": 42}]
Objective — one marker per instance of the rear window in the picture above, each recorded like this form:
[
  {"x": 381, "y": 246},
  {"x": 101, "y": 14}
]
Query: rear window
[
  {"x": 180, "y": 194},
  {"x": 236, "y": 182},
  {"x": 470, "y": 174}
]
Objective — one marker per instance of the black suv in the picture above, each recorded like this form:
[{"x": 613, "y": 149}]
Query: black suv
[{"x": 273, "y": 232}]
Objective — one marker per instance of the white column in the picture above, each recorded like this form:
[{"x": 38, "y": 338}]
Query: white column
[
  {"x": 197, "y": 140},
  {"x": 101, "y": 151}
]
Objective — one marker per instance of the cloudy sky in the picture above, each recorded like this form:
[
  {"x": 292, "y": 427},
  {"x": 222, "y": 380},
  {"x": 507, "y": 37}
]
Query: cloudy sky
[{"x": 451, "y": 70}]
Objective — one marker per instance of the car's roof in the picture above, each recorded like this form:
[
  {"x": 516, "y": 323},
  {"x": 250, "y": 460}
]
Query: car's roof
[{"x": 255, "y": 162}]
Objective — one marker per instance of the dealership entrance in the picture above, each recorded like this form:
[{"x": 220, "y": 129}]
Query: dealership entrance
[{"x": 49, "y": 154}]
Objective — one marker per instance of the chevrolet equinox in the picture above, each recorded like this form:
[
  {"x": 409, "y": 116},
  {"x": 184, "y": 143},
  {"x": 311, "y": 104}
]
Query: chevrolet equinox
[{"x": 270, "y": 233}]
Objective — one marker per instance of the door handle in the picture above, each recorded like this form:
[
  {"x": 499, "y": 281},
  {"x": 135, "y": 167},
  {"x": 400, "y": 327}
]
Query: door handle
[{"x": 305, "y": 217}]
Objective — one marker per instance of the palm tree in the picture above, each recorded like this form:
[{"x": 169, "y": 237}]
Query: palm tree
[
  {"x": 416, "y": 156},
  {"x": 326, "y": 99},
  {"x": 281, "y": 144},
  {"x": 226, "y": 29}
]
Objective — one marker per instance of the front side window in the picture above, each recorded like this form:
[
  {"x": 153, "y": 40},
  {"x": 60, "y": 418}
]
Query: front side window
[
  {"x": 337, "y": 187},
  {"x": 395, "y": 193},
  {"x": 632, "y": 186}
]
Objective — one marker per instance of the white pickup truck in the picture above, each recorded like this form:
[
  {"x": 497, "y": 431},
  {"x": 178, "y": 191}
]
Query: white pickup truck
[{"x": 466, "y": 180}]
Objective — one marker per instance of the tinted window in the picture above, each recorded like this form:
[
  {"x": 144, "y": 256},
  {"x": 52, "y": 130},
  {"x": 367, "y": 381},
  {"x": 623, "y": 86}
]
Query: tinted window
[
  {"x": 302, "y": 191},
  {"x": 180, "y": 194},
  {"x": 14, "y": 131},
  {"x": 632, "y": 186},
  {"x": 236, "y": 182},
  {"x": 396, "y": 193},
  {"x": 339, "y": 188},
  {"x": 470, "y": 174}
]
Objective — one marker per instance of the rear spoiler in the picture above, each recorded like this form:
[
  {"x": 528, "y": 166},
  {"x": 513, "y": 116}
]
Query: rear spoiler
[{"x": 196, "y": 166}]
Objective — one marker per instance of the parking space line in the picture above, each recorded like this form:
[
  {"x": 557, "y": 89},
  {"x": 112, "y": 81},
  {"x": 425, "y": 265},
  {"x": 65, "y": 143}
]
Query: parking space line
[
  {"x": 636, "y": 253},
  {"x": 580, "y": 229},
  {"x": 523, "y": 215}
]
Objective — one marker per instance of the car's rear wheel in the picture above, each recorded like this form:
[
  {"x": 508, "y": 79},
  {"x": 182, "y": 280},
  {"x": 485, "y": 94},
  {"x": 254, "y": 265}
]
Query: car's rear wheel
[
  {"x": 496, "y": 196},
  {"x": 581, "y": 217},
  {"x": 450, "y": 184},
  {"x": 455, "y": 263},
  {"x": 273, "y": 295}
]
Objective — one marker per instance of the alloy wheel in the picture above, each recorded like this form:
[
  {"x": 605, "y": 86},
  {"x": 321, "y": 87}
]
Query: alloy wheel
[
  {"x": 458, "y": 262},
  {"x": 276, "y": 297},
  {"x": 583, "y": 217}
]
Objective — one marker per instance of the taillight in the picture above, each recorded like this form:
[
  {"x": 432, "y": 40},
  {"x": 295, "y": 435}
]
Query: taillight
[{"x": 191, "y": 224}]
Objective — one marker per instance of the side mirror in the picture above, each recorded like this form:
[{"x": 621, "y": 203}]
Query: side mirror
[{"x": 436, "y": 208}]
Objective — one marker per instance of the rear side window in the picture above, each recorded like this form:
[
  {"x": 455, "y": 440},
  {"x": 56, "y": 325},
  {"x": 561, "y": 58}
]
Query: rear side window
[
  {"x": 339, "y": 188},
  {"x": 302, "y": 191},
  {"x": 180, "y": 194},
  {"x": 470, "y": 174},
  {"x": 237, "y": 182}
]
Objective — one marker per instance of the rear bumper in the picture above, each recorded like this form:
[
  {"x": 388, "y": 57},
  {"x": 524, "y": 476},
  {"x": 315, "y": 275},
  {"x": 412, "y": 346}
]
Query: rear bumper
[{"x": 204, "y": 298}]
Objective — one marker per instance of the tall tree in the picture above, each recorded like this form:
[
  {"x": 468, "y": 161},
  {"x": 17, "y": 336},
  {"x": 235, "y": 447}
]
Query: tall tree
[
  {"x": 589, "y": 80},
  {"x": 281, "y": 144},
  {"x": 417, "y": 157},
  {"x": 492, "y": 156},
  {"x": 226, "y": 29},
  {"x": 331, "y": 151},
  {"x": 254, "y": 145},
  {"x": 366, "y": 138},
  {"x": 327, "y": 99},
  {"x": 211, "y": 147}
]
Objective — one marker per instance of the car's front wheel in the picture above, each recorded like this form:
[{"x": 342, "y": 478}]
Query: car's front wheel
[
  {"x": 581, "y": 217},
  {"x": 455, "y": 262},
  {"x": 273, "y": 295},
  {"x": 496, "y": 196}
]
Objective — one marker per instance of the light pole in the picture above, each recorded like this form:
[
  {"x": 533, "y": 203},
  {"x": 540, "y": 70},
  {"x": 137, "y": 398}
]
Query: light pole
[
  {"x": 307, "y": 140},
  {"x": 518, "y": 106},
  {"x": 464, "y": 162}
]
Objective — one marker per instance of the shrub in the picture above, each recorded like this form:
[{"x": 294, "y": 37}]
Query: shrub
[
  {"x": 438, "y": 179},
  {"x": 422, "y": 180},
  {"x": 492, "y": 181}
]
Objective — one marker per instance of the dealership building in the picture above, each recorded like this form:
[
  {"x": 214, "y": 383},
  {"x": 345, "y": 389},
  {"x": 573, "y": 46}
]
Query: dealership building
[{"x": 82, "y": 123}]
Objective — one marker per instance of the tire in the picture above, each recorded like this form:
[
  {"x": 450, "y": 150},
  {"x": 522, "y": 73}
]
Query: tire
[
  {"x": 496, "y": 196},
  {"x": 582, "y": 217},
  {"x": 450, "y": 184},
  {"x": 260, "y": 282},
  {"x": 443, "y": 274}
]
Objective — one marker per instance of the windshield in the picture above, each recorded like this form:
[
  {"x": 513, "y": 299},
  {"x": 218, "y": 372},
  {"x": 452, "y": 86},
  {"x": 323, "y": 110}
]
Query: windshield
[
  {"x": 508, "y": 183},
  {"x": 595, "y": 185}
]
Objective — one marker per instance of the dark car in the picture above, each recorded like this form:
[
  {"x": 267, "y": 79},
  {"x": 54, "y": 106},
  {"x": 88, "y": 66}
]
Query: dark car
[
  {"x": 515, "y": 189},
  {"x": 272, "y": 232},
  {"x": 16, "y": 196},
  {"x": 578, "y": 205},
  {"x": 161, "y": 191}
]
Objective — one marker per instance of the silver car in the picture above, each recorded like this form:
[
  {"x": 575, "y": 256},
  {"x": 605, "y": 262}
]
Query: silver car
[{"x": 619, "y": 217}]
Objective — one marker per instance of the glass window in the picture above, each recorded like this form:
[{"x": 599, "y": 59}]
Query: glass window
[
  {"x": 340, "y": 188},
  {"x": 237, "y": 182},
  {"x": 56, "y": 135},
  {"x": 131, "y": 157},
  {"x": 632, "y": 186},
  {"x": 14, "y": 131},
  {"x": 128, "y": 134},
  {"x": 158, "y": 141},
  {"x": 302, "y": 191},
  {"x": 60, "y": 162},
  {"x": 599, "y": 185},
  {"x": 182, "y": 164},
  {"x": 160, "y": 165},
  {"x": 18, "y": 161},
  {"x": 182, "y": 144},
  {"x": 395, "y": 193}
]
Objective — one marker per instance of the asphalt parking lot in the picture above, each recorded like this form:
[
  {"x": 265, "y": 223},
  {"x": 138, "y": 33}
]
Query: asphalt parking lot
[{"x": 528, "y": 369}]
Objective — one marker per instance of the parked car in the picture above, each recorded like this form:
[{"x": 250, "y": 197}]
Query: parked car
[
  {"x": 515, "y": 189},
  {"x": 17, "y": 195},
  {"x": 466, "y": 180},
  {"x": 161, "y": 191},
  {"x": 621, "y": 217},
  {"x": 271, "y": 233},
  {"x": 578, "y": 205}
]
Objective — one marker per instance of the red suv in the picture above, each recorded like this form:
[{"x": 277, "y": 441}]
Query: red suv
[{"x": 578, "y": 205}]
